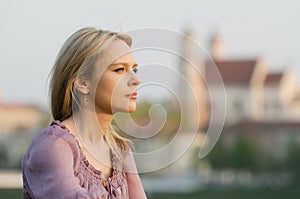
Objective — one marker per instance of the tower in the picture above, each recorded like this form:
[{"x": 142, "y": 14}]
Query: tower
[
  {"x": 193, "y": 94},
  {"x": 217, "y": 47}
]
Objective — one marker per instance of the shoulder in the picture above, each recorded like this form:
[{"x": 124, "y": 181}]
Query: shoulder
[
  {"x": 52, "y": 139},
  {"x": 55, "y": 132}
]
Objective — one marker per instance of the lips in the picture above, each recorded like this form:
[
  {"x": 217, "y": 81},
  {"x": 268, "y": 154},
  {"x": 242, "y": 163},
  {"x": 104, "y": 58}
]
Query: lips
[{"x": 133, "y": 95}]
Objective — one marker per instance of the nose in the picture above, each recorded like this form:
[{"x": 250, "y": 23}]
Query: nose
[{"x": 134, "y": 80}]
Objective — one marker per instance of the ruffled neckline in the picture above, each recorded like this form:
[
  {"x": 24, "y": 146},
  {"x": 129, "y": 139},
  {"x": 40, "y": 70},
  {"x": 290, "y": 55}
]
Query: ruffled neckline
[{"x": 95, "y": 172}]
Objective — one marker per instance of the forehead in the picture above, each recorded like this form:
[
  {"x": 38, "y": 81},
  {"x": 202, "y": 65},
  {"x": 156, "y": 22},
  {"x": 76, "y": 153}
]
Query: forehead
[{"x": 116, "y": 51}]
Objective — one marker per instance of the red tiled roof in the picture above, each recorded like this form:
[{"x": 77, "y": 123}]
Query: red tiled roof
[
  {"x": 273, "y": 78},
  {"x": 233, "y": 72}
]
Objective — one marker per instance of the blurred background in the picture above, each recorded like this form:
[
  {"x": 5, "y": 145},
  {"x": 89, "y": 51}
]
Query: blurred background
[{"x": 253, "y": 44}]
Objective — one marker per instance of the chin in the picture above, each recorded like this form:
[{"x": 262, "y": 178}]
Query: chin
[{"x": 131, "y": 109}]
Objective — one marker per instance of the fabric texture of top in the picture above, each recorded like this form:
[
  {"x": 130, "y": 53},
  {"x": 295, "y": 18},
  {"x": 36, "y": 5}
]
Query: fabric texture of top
[{"x": 54, "y": 166}]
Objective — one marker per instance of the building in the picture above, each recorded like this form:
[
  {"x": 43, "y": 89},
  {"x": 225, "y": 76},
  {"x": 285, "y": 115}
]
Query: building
[
  {"x": 253, "y": 91},
  {"x": 18, "y": 117}
]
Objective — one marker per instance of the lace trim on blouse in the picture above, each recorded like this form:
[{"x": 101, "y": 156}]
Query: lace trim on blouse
[{"x": 115, "y": 180}]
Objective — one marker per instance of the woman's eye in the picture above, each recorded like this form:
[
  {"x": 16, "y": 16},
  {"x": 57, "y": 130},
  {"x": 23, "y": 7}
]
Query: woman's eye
[
  {"x": 119, "y": 70},
  {"x": 135, "y": 70}
]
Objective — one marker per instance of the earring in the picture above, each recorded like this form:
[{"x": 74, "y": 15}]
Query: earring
[{"x": 85, "y": 101}]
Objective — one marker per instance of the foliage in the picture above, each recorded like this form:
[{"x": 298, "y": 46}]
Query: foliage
[
  {"x": 293, "y": 158},
  {"x": 3, "y": 155},
  {"x": 241, "y": 155},
  {"x": 245, "y": 154},
  {"x": 237, "y": 193}
]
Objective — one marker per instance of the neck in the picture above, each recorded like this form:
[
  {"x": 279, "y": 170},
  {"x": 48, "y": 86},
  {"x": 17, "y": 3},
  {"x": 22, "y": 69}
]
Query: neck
[{"x": 92, "y": 126}]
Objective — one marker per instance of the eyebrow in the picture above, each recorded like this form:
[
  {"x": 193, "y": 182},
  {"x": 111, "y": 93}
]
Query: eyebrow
[{"x": 124, "y": 64}]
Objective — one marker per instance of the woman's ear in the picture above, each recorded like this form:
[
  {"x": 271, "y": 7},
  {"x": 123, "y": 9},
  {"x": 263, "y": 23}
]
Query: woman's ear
[{"x": 82, "y": 85}]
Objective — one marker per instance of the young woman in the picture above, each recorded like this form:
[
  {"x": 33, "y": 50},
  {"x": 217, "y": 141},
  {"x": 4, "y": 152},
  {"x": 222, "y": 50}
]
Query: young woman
[{"x": 80, "y": 155}]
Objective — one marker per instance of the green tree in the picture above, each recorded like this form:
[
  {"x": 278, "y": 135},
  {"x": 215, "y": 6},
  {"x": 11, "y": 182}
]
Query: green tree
[
  {"x": 243, "y": 155},
  {"x": 293, "y": 158},
  {"x": 219, "y": 157}
]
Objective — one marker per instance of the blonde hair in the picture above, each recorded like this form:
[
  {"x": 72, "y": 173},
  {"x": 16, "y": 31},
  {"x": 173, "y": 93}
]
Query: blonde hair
[{"x": 77, "y": 58}]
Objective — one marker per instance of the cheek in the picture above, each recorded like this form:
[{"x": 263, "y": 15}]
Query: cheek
[
  {"x": 109, "y": 87},
  {"x": 105, "y": 87}
]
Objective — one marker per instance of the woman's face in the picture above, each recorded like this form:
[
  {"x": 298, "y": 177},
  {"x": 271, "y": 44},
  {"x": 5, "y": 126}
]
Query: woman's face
[{"x": 116, "y": 80}]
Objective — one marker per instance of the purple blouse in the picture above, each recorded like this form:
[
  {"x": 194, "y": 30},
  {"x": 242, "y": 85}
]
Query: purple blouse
[{"x": 55, "y": 167}]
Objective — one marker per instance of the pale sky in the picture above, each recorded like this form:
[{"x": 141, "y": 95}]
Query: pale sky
[{"x": 32, "y": 32}]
